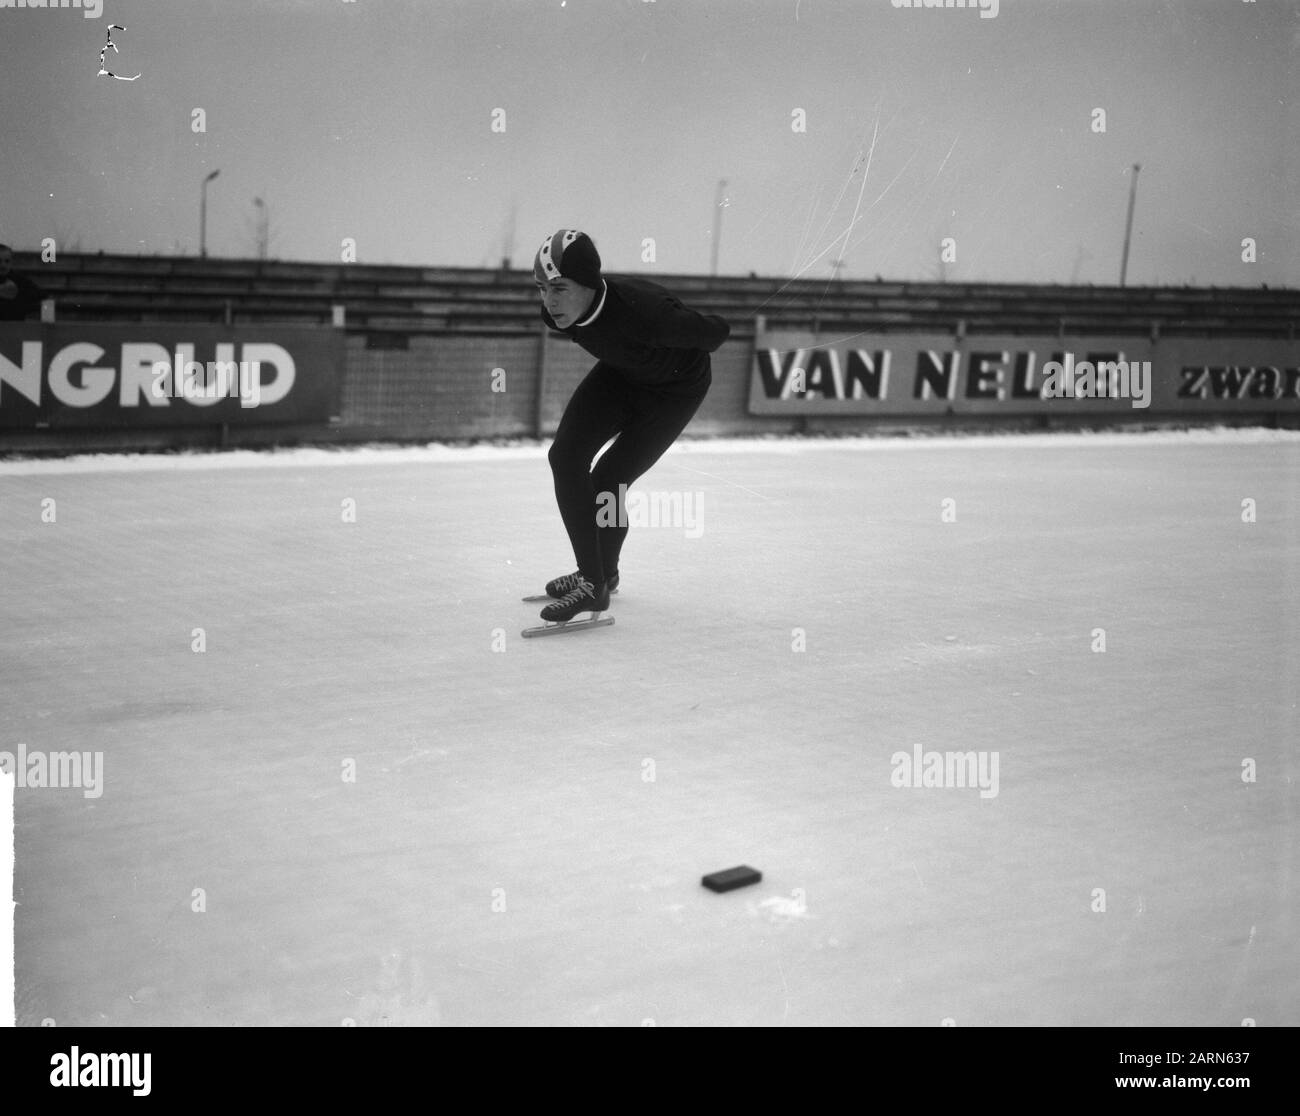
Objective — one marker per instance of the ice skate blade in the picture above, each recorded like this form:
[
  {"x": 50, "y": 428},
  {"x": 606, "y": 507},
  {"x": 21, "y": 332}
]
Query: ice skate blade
[
  {"x": 544, "y": 597},
  {"x": 555, "y": 627}
]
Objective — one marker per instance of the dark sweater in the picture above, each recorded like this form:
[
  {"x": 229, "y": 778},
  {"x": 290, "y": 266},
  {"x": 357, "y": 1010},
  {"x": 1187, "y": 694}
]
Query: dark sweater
[
  {"x": 644, "y": 333},
  {"x": 26, "y": 300}
]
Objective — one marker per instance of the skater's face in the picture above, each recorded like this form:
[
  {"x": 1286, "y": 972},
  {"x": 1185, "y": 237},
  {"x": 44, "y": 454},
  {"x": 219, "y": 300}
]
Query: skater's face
[
  {"x": 6, "y": 259},
  {"x": 565, "y": 300}
]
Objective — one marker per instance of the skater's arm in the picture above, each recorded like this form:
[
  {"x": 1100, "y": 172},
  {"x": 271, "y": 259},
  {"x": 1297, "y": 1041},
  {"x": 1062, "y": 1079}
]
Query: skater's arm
[{"x": 675, "y": 326}]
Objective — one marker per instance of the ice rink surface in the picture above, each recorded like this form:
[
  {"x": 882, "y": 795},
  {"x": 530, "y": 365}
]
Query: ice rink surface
[{"x": 368, "y": 799}]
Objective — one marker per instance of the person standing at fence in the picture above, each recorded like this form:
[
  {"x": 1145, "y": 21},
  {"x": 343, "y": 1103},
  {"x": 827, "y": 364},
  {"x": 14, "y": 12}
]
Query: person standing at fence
[
  {"x": 651, "y": 374},
  {"x": 19, "y": 296}
]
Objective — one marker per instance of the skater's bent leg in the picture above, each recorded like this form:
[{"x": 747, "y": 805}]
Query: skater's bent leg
[
  {"x": 596, "y": 412},
  {"x": 640, "y": 445}
]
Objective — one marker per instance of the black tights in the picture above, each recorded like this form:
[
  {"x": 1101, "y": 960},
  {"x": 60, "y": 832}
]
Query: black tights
[{"x": 646, "y": 423}]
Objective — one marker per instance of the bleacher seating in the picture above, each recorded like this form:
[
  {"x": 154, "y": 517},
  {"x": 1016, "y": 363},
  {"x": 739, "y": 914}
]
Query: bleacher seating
[{"x": 382, "y": 299}]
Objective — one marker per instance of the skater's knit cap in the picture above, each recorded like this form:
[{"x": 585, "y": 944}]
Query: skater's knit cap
[{"x": 571, "y": 254}]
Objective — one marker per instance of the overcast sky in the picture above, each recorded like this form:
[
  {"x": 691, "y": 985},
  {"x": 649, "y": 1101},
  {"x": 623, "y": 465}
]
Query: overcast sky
[{"x": 373, "y": 120}]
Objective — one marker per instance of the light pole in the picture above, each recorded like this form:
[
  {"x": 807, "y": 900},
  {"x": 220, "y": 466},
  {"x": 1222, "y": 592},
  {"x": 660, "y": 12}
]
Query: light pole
[
  {"x": 203, "y": 213},
  {"x": 1128, "y": 227},
  {"x": 717, "y": 224},
  {"x": 263, "y": 228}
]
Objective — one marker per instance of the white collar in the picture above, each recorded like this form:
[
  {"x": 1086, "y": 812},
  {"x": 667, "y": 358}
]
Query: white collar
[{"x": 600, "y": 305}]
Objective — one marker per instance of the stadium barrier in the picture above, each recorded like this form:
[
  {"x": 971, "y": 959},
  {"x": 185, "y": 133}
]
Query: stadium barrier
[
  {"x": 79, "y": 385},
  {"x": 371, "y": 353}
]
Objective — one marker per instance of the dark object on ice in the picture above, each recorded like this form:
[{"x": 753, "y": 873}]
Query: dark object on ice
[{"x": 732, "y": 878}]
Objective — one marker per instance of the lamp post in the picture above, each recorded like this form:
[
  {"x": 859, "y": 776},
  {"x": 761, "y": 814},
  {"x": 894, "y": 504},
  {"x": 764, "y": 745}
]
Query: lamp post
[
  {"x": 717, "y": 224},
  {"x": 263, "y": 227},
  {"x": 203, "y": 213},
  {"x": 1128, "y": 228}
]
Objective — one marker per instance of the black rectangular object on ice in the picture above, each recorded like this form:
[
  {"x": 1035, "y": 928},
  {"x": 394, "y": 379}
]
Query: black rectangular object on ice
[{"x": 732, "y": 878}]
